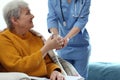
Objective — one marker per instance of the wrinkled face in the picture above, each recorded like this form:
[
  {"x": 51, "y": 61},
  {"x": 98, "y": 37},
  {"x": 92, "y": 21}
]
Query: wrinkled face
[{"x": 24, "y": 23}]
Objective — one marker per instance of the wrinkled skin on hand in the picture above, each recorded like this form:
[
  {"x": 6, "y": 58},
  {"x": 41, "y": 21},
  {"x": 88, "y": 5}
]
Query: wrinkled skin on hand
[{"x": 55, "y": 75}]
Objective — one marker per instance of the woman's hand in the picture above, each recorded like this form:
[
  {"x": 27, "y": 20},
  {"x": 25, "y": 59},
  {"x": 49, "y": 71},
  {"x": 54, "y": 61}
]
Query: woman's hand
[
  {"x": 52, "y": 43},
  {"x": 66, "y": 40},
  {"x": 55, "y": 42},
  {"x": 55, "y": 75}
]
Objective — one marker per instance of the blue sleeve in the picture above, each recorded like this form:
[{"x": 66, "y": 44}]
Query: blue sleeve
[
  {"x": 52, "y": 21},
  {"x": 83, "y": 18}
]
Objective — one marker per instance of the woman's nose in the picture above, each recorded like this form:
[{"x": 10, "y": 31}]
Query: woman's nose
[{"x": 32, "y": 16}]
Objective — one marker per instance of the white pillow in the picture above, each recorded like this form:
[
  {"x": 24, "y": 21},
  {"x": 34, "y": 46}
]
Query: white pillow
[{"x": 13, "y": 76}]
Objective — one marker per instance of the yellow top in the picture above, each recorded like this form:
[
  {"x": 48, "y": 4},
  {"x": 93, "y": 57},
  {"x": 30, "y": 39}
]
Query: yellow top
[{"x": 22, "y": 54}]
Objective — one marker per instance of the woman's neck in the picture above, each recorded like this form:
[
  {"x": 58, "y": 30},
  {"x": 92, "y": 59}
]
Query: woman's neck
[
  {"x": 18, "y": 32},
  {"x": 69, "y": 1}
]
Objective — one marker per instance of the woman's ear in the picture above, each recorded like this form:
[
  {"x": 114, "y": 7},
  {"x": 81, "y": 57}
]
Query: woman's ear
[{"x": 13, "y": 20}]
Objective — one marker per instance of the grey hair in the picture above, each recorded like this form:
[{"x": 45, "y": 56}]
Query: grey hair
[{"x": 12, "y": 9}]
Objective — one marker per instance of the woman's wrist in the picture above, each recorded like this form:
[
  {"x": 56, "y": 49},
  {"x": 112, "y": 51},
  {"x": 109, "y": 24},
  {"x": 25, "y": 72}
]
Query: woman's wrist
[
  {"x": 67, "y": 39},
  {"x": 53, "y": 35}
]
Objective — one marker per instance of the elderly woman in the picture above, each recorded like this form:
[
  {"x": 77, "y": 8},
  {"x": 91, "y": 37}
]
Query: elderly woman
[{"x": 21, "y": 50}]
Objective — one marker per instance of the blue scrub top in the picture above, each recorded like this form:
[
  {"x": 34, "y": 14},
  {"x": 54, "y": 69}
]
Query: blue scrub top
[{"x": 76, "y": 15}]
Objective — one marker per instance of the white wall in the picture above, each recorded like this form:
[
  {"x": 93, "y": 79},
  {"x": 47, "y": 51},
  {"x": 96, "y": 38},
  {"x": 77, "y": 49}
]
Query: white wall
[
  {"x": 104, "y": 30},
  {"x": 103, "y": 26}
]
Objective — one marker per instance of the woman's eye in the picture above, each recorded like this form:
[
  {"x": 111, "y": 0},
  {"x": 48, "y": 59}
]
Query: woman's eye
[{"x": 27, "y": 13}]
